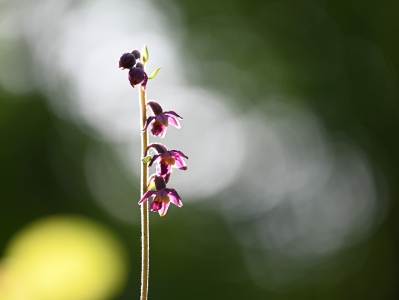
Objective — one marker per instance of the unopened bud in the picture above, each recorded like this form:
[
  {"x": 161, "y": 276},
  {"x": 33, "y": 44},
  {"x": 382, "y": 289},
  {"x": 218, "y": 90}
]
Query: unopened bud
[
  {"x": 136, "y": 54},
  {"x": 127, "y": 61},
  {"x": 136, "y": 76}
]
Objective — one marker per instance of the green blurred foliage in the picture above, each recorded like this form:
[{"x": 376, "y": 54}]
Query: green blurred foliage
[{"x": 340, "y": 59}]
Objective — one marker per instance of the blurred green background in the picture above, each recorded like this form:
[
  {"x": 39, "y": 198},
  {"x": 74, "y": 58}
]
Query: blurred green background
[{"x": 290, "y": 122}]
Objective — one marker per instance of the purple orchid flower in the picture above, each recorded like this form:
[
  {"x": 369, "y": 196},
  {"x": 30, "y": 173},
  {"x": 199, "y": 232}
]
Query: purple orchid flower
[
  {"x": 162, "y": 196},
  {"x": 166, "y": 160},
  {"x": 161, "y": 119},
  {"x": 137, "y": 75}
]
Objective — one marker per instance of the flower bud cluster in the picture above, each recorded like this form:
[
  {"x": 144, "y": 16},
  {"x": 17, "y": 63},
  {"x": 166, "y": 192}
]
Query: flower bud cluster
[{"x": 136, "y": 73}]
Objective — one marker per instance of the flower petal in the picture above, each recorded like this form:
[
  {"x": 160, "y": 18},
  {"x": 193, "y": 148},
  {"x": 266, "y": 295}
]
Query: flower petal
[
  {"x": 163, "y": 132},
  {"x": 144, "y": 82},
  {"x": 147, "y": 195},
  {"x": 162, "y": 193},
  {"x": 164, "y": 209},
  {"x": 173, "y": 113},
  {"x": 163, "y": 169},
  {"x": 166, "y": 177},
  {"x": 180, "y": 164},
  {"x": 155, "y": 158},
  {"x": 174, "y": 197},
  {"x": 151, "y": 182},
  {"x": 156, "y": 205},
  {"x": 160, "y": 186},
  {"x": 156, "y": 107},
  {"x": 162, "y": 118},
  {"x": 149, "y": 120},
  {"x": 178, "y": 153},
  {"x": 158, "y": 129},
  {"x": 157, "y": 146},
  {"x": 173, "y": 120}
]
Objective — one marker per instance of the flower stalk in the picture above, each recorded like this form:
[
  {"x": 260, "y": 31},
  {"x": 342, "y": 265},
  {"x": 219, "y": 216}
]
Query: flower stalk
[
  {"x": 166, "y": 160},
  {"x": 144, "y": 208}
]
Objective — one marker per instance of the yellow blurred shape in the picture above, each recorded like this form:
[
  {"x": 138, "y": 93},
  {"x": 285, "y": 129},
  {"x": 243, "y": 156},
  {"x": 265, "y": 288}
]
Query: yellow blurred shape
[{"x": 63, "y": 258}]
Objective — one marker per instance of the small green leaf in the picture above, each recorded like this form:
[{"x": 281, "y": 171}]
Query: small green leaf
[
  {"x": 154, "y": 73},
  {"x": 144, "y": 54},
  {"x": 146, "y": 159},
  {"x": 151, "y": 186}
]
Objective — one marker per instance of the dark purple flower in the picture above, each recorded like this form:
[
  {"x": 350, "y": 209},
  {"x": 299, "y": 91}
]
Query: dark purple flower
[
  {"x": 162, "y": 197},
  {"x": 127, "y": 61},
  {"x": 161, "y": 119},
  {"x": 166, "y": 160},
  {"x": 137, "y": 75}
]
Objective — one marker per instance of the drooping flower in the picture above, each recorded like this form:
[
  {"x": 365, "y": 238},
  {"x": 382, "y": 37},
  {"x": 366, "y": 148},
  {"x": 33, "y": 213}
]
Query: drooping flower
[
  {"x": 137, "y": 75},
  {"x": 162, "y": 196},
  {"x": 127, "y": 61},
  {"x": 166, "y": 160},
  {"x": 161, "y": 119}
]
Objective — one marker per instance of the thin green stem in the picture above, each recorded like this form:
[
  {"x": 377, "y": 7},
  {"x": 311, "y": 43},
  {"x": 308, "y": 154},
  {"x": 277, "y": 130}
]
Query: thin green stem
[{"x": 144, "y": 206}]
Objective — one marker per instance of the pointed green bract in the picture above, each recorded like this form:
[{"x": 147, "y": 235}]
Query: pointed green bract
[
  {"x": 146, "y": 159},
  {"x": 151, "y": 186},
  {"x": 154, "y": 73},
  {"x": 144, "y": 54}
]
